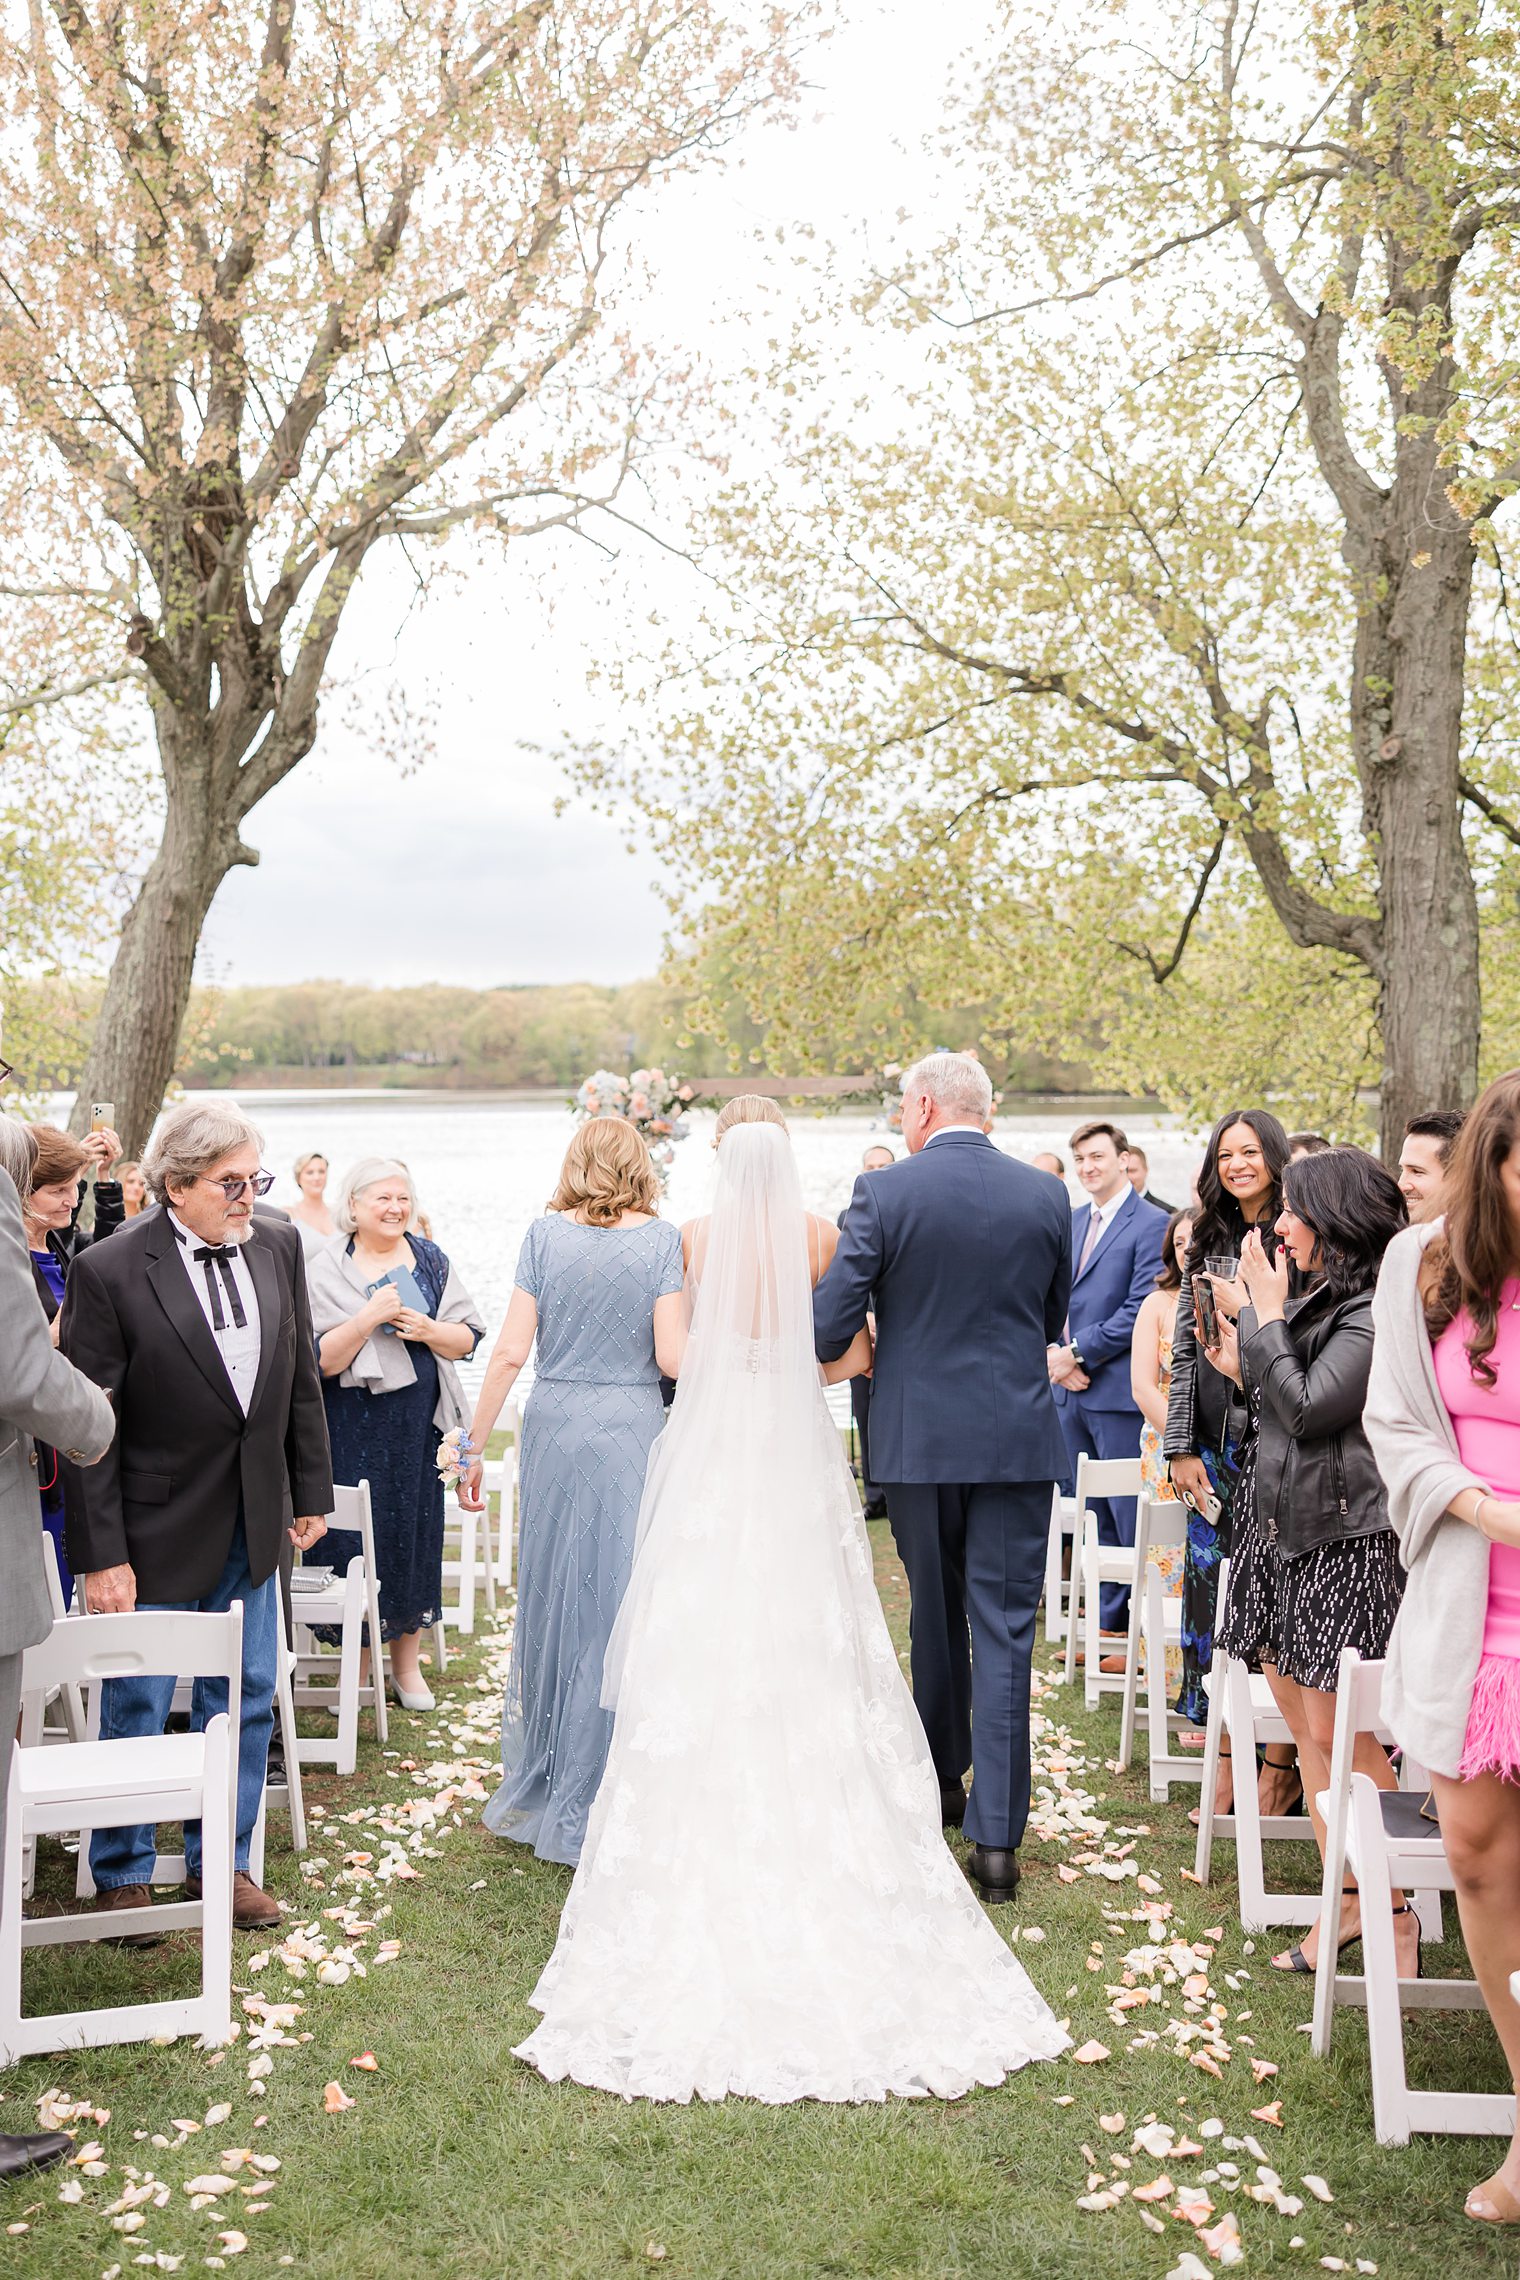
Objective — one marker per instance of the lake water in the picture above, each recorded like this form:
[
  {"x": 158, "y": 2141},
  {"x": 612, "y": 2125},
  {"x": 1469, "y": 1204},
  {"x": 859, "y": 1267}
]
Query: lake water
[{"x": 485, "y": 1166}]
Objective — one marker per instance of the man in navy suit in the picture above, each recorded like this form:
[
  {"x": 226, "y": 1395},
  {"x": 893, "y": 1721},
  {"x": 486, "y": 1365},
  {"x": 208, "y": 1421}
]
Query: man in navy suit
[
  {"x": 968, "y": 1254},
  {"x": 1116, "y": 1243}
]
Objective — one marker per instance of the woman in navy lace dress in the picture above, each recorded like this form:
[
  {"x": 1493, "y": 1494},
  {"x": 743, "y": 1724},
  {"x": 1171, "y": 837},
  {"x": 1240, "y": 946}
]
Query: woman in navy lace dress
[
  {"x": 392, "y": 1319},
  {"x": 598, "y": 1285}
]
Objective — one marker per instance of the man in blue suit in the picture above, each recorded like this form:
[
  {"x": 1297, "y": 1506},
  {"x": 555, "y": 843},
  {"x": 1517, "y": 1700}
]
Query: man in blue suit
[
  {"x": 968, "y": 1254},
  {"x": 1116, "y": 1244}
]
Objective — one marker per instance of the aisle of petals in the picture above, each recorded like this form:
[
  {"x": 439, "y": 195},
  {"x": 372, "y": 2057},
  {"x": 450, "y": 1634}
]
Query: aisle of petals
[
  {"x": 1162, "y": 1996},
  {"x": 1162, "y": 1993},
  {"x": 334, "y": 1938}
]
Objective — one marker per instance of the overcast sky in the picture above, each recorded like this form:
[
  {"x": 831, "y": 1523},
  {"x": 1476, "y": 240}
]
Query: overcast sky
[{"x": 461, "y": 871}]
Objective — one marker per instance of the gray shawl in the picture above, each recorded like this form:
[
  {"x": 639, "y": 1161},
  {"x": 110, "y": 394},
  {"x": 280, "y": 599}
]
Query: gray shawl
[
  {"x": 382, "y": 1364},
  {"x": 1438, "y": 1637}
]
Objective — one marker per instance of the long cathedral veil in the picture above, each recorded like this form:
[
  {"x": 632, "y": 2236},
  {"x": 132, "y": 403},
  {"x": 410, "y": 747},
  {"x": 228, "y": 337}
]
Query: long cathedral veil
[{"x": 749, "y": 1407}]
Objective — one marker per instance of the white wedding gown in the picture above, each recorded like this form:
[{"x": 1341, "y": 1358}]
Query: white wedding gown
[{"x": 765, "y": 1905}]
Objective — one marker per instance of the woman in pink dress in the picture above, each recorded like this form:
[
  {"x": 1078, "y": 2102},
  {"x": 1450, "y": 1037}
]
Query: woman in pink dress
[{"x": 1443, "y": 1416}]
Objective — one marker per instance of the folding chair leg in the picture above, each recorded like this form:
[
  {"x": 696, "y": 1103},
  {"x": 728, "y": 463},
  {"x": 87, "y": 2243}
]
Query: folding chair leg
[
  {"x": 285, "y": 1710},
  {"x": 1385, "y": 2018},
  {"x": 467, "y": 1541},
  {"x": 1090, "y": 1609},
  {"x": 1250, "y": 1867},
  {"x": 1203, "y": 1859},
  {"x": 348, "y": 1671},
  {"x": 10, "y": 1928},
  {"x": 216, "y": 1882}
]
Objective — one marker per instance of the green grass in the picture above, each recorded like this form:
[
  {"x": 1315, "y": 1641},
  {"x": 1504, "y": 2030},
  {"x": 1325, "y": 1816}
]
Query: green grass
[{"x": 457, "y": 2161}]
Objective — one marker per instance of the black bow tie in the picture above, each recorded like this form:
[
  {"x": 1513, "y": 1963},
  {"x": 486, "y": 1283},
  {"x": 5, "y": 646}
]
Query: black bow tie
[{"x": 212, "y": 1256}]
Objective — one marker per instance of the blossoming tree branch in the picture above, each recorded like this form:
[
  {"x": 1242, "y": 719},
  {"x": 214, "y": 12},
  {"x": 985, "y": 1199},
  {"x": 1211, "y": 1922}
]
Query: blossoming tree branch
[{"x": 283, "y": 283}]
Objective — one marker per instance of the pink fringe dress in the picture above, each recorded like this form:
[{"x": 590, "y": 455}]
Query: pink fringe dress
[{"x": 1486, "y": 1421}]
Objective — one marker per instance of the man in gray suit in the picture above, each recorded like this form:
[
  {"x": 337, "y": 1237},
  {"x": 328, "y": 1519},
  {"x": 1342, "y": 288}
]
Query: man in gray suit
[{"x": 41, "y": 1395}]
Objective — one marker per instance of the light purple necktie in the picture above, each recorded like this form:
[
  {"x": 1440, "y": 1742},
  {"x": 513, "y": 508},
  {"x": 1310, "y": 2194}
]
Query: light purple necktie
[{"x": 1088, "y": 1246}]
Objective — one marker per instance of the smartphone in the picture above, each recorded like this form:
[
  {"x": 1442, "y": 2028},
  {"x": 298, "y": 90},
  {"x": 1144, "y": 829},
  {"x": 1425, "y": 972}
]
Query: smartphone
[
  {"x": 1205, "y": 1310},
  {"x": 103, "y": 1116},
  {"x": 1208, "y": 1505}
]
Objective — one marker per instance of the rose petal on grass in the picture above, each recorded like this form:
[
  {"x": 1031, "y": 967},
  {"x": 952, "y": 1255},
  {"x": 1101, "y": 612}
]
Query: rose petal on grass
[
  {"x": 335, "y": 2099},
  {"x": 208, "y": 2185},
  {"x": 1112, "y": 2123},
  {"x": 1223, "y": 2240},
  {"x": 1091, "y": 2053},
  {"x": 367, "y": 2062},
  {"x": 1263, "y": 2069},
  {"x": 1159, "y": 2189},
  {"x": 1189, "y": 2266},
  {"x": 233, "y": 2243},
  {"x": 1272, "y": 2114},
  {"x": 1318, "y": 2188}
]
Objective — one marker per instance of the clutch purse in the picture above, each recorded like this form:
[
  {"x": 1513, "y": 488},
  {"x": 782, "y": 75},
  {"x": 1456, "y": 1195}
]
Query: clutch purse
[{"x": 411, "y": 1293}]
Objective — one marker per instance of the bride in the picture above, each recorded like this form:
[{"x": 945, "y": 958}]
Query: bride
[{"x": 765, "y": 1906}]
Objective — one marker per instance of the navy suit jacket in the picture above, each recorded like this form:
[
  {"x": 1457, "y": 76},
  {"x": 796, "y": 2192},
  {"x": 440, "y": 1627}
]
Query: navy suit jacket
[
  {"x": 1107, "y": 1297},
  {"x": 968, "y": 1254}
]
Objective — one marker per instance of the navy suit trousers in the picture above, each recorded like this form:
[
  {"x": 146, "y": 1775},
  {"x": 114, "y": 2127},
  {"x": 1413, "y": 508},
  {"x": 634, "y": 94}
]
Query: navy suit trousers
[
  {"x": 975, "y": 1556},
  {"x": 1105, "y": 1434}
]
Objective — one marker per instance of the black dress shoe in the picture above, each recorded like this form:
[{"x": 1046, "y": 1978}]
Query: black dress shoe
[
  {"x": 952, "y": 1804},
  {"x": 19, "y": 2154},
  {"x": 994, "y": 1873},
  {"x": 877, "y": 1508}
]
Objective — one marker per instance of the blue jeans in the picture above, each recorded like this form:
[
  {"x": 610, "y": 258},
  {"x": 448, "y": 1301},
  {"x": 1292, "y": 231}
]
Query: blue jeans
[{"x": 131, "y": 1706}]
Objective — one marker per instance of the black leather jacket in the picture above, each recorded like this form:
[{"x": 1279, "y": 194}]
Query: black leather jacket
[
  {"x": 1317, "y": 1481},
  {"x": 1204, "y": 1409}
]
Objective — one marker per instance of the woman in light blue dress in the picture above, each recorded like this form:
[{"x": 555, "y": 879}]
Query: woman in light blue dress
[{"x": 599, "y": 1285}]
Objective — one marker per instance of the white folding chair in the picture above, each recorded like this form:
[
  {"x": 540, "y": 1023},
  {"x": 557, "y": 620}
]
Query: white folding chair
[
  {"x": 1060, "y": 1568},
  {"x": 1097, "y": 1563},
  {"x": 350, "y": 1602},
  {"x": 499, "y": 1488},
  {"x": 1160, "y": 1524},
  {"x": 111, "y": 1784},
  {"x": 67, "y": 1698},
  {"x": 1388, "y": 1842},
  {"x": 1255, "y": 1719}
]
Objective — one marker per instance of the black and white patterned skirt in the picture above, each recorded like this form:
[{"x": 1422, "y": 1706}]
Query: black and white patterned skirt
[{"x": 1298, "y": 1614}]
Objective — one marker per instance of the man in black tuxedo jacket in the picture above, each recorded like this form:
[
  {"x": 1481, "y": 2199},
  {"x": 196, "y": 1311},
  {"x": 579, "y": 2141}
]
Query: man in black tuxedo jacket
[
  {"x": 968, "y": 1254},
  {"x": 194, "y": 1319}
]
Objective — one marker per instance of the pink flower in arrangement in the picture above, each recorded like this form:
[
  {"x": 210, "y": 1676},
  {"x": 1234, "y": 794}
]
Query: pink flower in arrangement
[
  {"x": 639, "y": 1105},
  {"x": 687, "y": 1092},
  {"x": 660, "y": 1124}
]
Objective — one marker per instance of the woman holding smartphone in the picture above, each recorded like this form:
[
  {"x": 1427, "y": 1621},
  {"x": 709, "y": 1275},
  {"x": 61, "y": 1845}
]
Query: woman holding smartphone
[
  {"x": 1239, "y": 1187},
  {"x": 1314, "y": 1563}
]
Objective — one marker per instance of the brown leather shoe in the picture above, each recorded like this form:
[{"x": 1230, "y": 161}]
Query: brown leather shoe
[
  {"x": 252, "y": 1909},
  {"x": 120, "y": 1899}
]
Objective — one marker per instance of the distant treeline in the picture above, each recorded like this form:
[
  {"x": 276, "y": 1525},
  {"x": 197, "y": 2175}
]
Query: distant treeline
[{"x": 550, "y": 1036}]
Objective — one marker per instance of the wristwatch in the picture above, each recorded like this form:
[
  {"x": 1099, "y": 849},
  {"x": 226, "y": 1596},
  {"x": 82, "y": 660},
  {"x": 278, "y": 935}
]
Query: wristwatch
[{"x": 1076, "y": 1353}]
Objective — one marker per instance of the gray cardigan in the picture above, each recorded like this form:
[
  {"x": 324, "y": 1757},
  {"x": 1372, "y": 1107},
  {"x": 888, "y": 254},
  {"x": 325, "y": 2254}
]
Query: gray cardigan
[{"x": 1438, "y": 1637}]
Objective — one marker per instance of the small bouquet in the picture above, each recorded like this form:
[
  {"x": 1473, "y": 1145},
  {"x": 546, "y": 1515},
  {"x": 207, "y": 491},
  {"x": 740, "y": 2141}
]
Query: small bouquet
[{"x": 456, "y": 1454}]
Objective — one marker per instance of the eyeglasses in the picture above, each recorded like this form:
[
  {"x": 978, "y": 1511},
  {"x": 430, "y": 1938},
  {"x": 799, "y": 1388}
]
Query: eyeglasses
[{"x": 261, "y": 1183}]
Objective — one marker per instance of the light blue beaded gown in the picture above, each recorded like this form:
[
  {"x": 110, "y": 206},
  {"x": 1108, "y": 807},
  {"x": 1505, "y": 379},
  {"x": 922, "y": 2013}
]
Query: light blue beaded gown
[{"x": 591, "y": 1420}]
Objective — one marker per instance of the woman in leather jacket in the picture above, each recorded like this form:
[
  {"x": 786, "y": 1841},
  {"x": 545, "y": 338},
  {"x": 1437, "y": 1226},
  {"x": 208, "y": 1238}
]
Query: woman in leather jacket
[{"x": 1314, "y": 1563}]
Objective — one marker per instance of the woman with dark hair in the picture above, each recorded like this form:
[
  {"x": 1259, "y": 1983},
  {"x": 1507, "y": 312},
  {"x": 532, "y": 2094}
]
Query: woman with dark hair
[
  {"x": 50, "y": 1206},
  {"x": 1239, "y": 1187},
  {"x": 1443, "y": 1417},
  {"x": 1314, "y": 1562}
]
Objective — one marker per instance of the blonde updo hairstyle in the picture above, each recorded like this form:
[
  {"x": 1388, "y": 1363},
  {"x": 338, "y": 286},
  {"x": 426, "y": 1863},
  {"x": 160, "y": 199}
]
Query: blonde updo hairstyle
[
  {"x": 607, "y": 1170},
  {"x": 746, "y": 1108}
]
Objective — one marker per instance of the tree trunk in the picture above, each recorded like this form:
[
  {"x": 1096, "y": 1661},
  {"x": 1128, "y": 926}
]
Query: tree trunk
[
  {"x": 132, "y": 1053},
  {"x": 1409, "y": 691}
]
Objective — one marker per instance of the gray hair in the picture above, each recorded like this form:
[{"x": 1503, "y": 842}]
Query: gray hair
[
  {"x": 190, "y": 1140},
  {"x": 18, "y": 1152},
  {"x": 954, "y": 1082},
  {"x": 368, "y": 1173}
]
